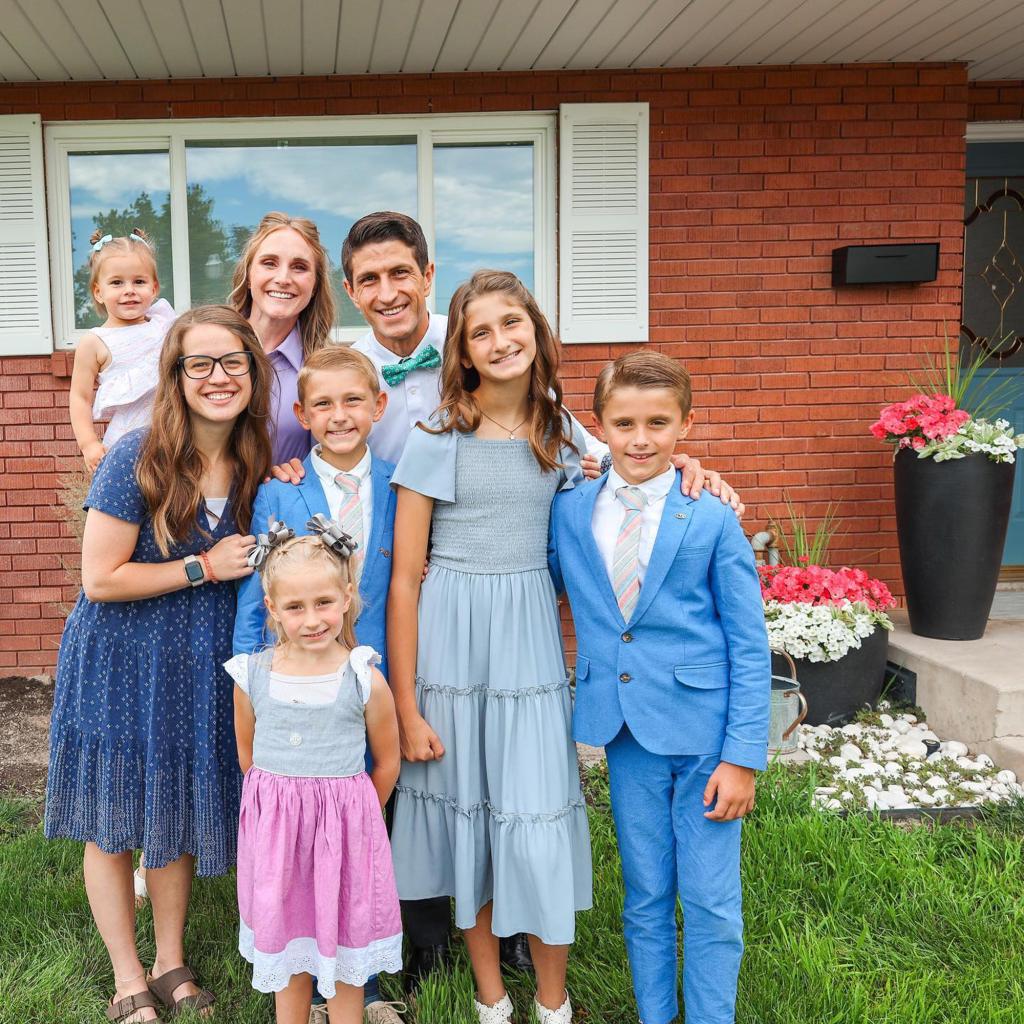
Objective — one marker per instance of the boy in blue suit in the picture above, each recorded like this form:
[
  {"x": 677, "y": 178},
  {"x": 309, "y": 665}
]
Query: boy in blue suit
[
  {"x": 339, "y": 401},
  {"x": 672, "y": 679}
]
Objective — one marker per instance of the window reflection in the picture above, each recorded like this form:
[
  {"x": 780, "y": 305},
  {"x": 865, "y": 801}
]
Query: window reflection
[
  {"x": 115, "y": 193},
  {"x": 483, "y": 213},
  {"x": 333, "y": 182}
]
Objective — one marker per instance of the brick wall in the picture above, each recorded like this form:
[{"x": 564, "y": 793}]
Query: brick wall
[
  {"x": 756, "y": 175},
  {"x": 995, "y": 101}
]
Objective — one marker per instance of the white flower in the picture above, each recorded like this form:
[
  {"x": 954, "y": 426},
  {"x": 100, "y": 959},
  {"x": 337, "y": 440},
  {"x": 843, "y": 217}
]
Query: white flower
[
  {"x": 996, "y": 440},
  {"x": 820, "y": 632}
]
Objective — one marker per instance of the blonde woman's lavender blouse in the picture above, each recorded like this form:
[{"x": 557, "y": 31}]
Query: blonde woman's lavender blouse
[{"x": 287, "y": 436}]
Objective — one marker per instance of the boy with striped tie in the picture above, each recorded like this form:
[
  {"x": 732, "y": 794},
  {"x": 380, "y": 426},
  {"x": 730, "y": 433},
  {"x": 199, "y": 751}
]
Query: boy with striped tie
[{"x": 673, "y": 679}]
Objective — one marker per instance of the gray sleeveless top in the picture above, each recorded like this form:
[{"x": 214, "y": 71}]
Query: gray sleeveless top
[
  {"x": 480, "y": 489},
  {"x": 312, "y": 740}
]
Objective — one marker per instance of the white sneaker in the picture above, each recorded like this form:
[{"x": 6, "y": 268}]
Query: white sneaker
[
  {"x": 563, "y": 1015},
  {"x": 499, "y": 1013},
  {"x": 379, "y": 1012}
]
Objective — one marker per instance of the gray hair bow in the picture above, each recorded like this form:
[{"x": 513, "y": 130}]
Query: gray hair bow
[
  {"x": 277, "y": 533},
  {"x": 332, "y": 535}
]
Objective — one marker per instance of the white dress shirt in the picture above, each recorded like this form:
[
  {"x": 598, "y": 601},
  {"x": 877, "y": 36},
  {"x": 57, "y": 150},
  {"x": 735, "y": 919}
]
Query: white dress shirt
[
  {"x": 609, "y": 512},
  {"x": 335, "y": 495},
  {"x": 413, "y": 399},
  {"x": 418, "y": 395}
]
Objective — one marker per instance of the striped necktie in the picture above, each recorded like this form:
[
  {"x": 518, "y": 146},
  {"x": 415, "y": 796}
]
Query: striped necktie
[
  {"x": 626, "y": 560},
  {"x": 350, "y": 515}
]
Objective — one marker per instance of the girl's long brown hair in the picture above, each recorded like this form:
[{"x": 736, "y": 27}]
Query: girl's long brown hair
[
  {"x": 459, "y": 410},
  {"x": 170, "y": 468},
  {"x": 317, "y": 319}
]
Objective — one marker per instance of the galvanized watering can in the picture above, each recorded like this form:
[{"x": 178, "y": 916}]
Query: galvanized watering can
[{"x": 788, "y": 710}]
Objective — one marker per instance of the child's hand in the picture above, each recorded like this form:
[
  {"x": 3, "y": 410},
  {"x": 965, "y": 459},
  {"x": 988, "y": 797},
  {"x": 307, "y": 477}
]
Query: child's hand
[
  {"x": 418, "y": 741},
  {"x": 92, "y": 454},
  {"x": 695, "y": 479},
  {"x": 228, "y": 557},
  {"x": 734, "y": 787},
  {"x": 288, "y": 472},
  {"x": 590, "y": 465}
]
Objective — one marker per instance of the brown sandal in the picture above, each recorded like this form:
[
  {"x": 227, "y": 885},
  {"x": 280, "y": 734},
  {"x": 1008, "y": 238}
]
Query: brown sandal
[
  {"x": 164, "y": 986},
  {"x": 130, "y": 1004}
]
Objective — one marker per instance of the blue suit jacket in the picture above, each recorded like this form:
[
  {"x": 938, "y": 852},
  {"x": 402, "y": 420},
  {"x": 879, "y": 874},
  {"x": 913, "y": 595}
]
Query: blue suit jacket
[
  {"x": 294, "y": 504},
  {"x": 690, "y": 672}
]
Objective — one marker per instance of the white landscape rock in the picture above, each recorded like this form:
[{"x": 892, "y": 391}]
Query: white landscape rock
[
  {"x": 912, "y": 747},
  {"x": 881, "y": 766}
]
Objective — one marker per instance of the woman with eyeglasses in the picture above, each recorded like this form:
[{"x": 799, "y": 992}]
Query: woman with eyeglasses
[
  {"x": 142, "y": 751},
  {"x": 282, "y": 286}
]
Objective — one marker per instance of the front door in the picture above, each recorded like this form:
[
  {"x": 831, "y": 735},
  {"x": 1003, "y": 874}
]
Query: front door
[{"x": 993, "y": 296}]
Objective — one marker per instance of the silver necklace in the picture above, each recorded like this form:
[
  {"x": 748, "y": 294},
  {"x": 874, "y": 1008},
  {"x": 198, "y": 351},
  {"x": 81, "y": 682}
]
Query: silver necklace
[{"x": 511, "y": 433}]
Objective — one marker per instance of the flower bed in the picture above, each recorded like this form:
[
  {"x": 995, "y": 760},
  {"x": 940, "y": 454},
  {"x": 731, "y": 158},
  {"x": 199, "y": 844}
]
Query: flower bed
[{"x": 894, "y": 761}]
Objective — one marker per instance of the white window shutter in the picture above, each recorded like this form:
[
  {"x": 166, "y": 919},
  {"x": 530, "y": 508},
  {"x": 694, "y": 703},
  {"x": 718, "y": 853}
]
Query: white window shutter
[
  {"x": 25, "y": 324},
  {"x": 604, "y": 183}
]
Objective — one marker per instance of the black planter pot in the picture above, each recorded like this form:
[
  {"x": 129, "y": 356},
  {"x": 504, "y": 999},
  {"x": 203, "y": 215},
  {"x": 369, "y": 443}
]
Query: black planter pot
[
  {"x": 836, "y": 690},
  {"x": 951, "y": 520}
]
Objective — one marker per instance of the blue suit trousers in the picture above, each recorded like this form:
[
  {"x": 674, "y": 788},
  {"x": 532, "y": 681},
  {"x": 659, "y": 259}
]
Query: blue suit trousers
[{"x": 668, "y": 847}]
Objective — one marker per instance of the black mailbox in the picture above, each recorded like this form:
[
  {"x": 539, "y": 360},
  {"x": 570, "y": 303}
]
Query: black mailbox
[{"x": 885, "y": 264}]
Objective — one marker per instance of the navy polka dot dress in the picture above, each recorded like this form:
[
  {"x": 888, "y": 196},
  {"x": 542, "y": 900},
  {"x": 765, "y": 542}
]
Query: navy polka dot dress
[{"x": 142, "y": 745}]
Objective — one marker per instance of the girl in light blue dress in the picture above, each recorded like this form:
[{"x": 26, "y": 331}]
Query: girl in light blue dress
[{"x": 489, "y": 808}]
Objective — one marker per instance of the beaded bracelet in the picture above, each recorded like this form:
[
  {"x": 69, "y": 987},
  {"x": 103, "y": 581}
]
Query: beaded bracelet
[{"x": 208, "y": 567}]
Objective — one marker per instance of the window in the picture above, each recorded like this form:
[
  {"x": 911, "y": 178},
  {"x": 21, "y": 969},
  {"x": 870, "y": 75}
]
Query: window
[
  {"x": 115, "y": 193},
  {"x": 483, "y": 212},
  {"x": 483, "y": 189}
]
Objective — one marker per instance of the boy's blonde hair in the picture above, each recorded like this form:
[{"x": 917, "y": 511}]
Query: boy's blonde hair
[
  {"x": 135, "y": 244},
  {"x": 298, "y": 555},
  {"x": 644, "y": 370},
  {"x": 337, "y": 357}
]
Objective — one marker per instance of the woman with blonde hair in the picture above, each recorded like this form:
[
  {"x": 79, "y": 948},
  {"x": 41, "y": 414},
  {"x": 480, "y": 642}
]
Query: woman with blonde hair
[
  {"x": 282, "y": 286},
  {"x": 142, "y": 752}
]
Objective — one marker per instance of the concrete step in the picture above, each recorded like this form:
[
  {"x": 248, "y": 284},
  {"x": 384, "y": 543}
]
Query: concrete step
[{"x": 971, "y": 690}]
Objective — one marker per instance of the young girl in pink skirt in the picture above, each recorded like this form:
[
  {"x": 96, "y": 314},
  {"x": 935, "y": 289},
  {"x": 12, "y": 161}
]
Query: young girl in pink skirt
[{"x": 316, "y": 890}]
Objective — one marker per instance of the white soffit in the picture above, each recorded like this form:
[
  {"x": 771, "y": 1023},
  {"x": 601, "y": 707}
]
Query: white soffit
[{"x": 86, "y": 40}]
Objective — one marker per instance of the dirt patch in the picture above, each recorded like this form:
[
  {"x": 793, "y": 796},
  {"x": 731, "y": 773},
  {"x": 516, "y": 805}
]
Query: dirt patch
[{"x": 24, "y": 734}]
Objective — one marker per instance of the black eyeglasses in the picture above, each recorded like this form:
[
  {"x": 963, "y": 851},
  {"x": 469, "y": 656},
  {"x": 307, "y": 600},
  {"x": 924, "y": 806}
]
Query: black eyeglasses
[{"x": 234, "y": 364}]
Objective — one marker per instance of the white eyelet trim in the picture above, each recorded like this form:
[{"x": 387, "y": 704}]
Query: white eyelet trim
[
  {"x": 563, "y": 1015},
  {"x": 499, "y": 1013}
]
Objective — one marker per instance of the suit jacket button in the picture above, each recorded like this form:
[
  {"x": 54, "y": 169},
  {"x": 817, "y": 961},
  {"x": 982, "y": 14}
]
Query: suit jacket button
[
  {"x": 625, "y": 677},
  {"x": 626, "y": 637},
  {"x": 384, "y": 552}
]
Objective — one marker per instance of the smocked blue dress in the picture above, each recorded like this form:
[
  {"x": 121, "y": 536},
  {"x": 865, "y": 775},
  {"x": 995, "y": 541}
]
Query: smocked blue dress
[
  {"x": 142, "y": 743},
  {"x": 501, "y": 815}
]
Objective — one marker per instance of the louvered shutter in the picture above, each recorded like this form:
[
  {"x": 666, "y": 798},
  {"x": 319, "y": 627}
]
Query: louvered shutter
[
  {"x": 25, "y": 326},
  {"x": 603, "y": 222}
]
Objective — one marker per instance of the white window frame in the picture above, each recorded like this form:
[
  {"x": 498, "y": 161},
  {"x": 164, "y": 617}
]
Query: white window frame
[{"x": 62, "y": 139}]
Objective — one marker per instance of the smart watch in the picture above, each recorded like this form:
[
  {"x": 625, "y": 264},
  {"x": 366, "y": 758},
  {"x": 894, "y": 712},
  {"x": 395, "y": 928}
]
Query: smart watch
[{"x": 194, "y": 571}]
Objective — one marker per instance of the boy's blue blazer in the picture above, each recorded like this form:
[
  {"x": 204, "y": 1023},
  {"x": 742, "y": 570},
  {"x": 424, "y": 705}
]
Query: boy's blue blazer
[
  {"x": 294, "y": 504},
  {"x": 690, "y": 673}
]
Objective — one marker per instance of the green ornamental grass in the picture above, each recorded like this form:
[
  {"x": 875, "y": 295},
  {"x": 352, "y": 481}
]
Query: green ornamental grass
[{"x": 848, "y": 921}]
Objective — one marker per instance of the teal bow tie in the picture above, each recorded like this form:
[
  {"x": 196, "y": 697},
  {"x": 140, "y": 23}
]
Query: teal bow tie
[{"x": 426, "y": 359}]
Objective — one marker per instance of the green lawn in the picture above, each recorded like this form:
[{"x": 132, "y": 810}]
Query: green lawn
[{"x": 848, "y": 922}]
